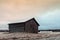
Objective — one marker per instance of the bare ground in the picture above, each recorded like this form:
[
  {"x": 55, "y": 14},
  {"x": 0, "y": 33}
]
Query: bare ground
[{"x": 30, "y": 36}]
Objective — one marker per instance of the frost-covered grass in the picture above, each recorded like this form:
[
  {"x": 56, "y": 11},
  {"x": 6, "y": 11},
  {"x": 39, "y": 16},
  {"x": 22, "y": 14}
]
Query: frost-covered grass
[{"x": 30, "y": 36}]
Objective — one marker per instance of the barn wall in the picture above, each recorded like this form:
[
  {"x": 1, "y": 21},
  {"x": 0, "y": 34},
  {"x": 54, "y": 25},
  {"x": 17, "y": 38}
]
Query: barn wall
[
  {"x": 16, "y": 28},
  {"x": 31, "y": 26}
]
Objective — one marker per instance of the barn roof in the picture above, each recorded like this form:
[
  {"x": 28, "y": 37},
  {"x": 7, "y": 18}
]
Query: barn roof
[
  {"x": 25, "y": 22},
  {"x": 34, "y": 20}
]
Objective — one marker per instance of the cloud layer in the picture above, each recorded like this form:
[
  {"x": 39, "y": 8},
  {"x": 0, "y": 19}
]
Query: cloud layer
[
  {"x": 17, "y": 10},
  {"x": 11, "y": 10},
  {"x": 50, "y": 20}
]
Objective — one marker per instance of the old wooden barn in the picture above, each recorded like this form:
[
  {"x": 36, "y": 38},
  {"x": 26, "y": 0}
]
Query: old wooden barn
[{"x": 30, "y": 26}]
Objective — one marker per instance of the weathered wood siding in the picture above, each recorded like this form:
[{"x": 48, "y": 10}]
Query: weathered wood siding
[
  {"x": 31, "y": 27},
  {"x": 16, "y": 28}
]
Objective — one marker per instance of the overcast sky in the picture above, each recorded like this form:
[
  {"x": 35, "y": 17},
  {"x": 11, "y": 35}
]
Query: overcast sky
[{"x": 17, "y": 10}]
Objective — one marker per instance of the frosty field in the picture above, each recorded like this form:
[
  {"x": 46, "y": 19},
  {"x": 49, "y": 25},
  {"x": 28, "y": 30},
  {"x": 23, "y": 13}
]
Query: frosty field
[{"x": 30, "y": 36}]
